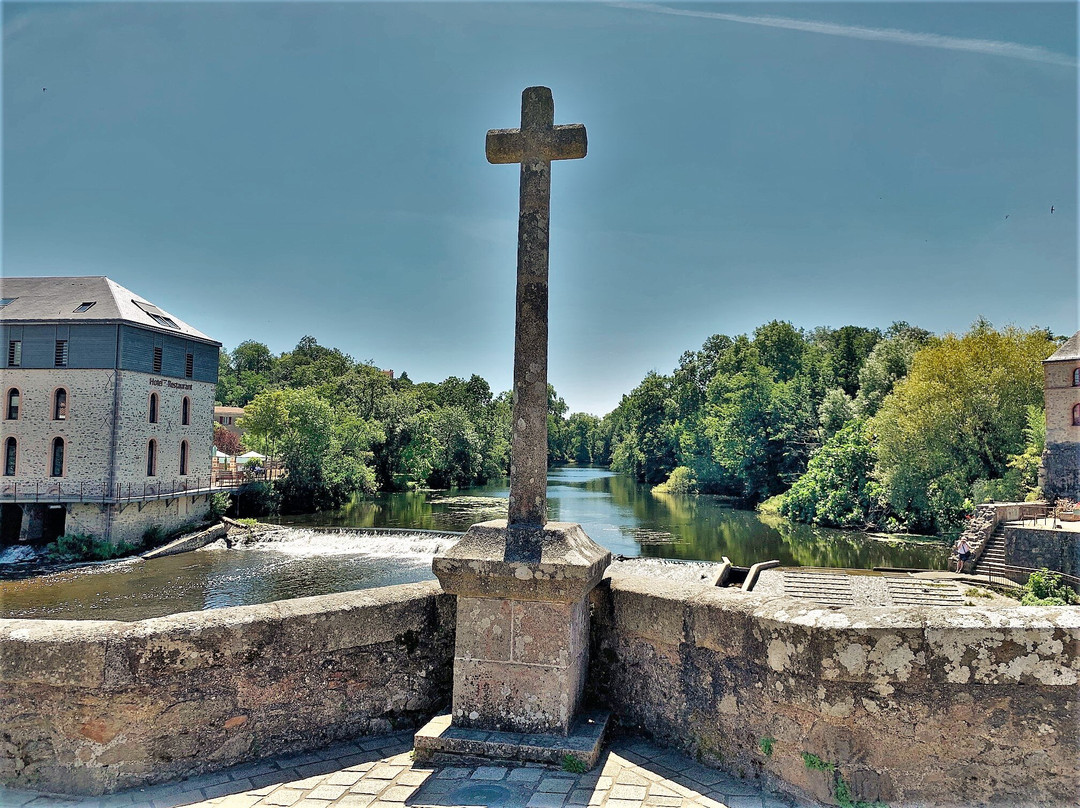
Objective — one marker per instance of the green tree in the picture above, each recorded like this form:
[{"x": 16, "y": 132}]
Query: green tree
[
  {"x": 838, "y": 488},
  {"x": 956, "y": 418}
]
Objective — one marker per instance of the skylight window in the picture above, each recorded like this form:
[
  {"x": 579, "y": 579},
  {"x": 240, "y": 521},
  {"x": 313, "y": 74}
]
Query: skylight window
[
  {"x": 85, "y": 307},
  {"x": 156, "y": 314},
  {"x": 163, "y": 320},
  {"x": 7, "y": 301}
]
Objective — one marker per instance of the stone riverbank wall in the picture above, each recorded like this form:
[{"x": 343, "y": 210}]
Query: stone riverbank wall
[
  {"x": 94, "y": 706},
  {"x": 928, "y": 706}
]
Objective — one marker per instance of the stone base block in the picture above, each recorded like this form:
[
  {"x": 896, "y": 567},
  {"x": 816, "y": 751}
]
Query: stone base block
[{"x": 585, "y": 741}]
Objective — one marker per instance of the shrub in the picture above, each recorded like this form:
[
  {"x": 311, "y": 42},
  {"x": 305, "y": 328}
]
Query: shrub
[
  {"x": 680, "y": 482},
  {"x": 1045, "y": 588},
  {"x": 219, "y": 504},
  {"x": 83, "y": 547}
]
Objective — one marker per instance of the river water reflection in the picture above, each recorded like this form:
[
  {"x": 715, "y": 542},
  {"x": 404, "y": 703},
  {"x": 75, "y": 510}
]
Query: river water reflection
[
  {"x": 625, "y": 517},
  {"x": 628, "y": 519}
]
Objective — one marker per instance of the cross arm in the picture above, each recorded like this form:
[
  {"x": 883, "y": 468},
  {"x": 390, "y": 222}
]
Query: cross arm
[{"x": 562, "y": 142}]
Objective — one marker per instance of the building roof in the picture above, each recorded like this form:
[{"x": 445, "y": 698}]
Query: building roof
[
  {"x": 1069, "y": 350},
  {"x": 220, "y": 410},
  {"x": 64, "y": 300}
]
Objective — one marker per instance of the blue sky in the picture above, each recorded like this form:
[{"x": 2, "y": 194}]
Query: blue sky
[{"x": 267, "y": 171}]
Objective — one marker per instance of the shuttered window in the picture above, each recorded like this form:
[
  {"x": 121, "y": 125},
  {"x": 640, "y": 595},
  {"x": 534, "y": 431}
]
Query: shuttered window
[
  {"x": 189, "y": 365},
  {"x": 61, "y": 357},
  {"x": 157, "y": 360},
  {"x": 14, "y": 353}
]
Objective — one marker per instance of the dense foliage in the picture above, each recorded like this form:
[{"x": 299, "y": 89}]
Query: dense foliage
[
  {"x": 901, "y": 429},
  {"x": 845, "y": 427}
]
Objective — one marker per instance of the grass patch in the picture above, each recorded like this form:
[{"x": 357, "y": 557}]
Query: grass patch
[
  {"x": 972, "y": 592},
  {"x": 83, "y": 547},
  {"x": 817, "y": 764},
  {"x": 573, "y": 764},
  {"x": 766, "y": 746}
]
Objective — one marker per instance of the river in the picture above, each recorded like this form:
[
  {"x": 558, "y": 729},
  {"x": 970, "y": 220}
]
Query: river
[
  {"x": 628, "y": 519},
  {"x": 620, "y": 514}
]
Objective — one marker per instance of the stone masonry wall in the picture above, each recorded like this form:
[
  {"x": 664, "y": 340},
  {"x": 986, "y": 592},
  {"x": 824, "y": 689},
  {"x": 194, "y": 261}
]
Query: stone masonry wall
[
  {"x": 95, "y": 706},
  {"x": 1061, "y": 469},
  {"x": 1057, "y": 550},
  {"x": 928, "y": 706},
  {"x": 136, "y": 430},
  {"x": 86, "y": 431},
  {"x": 130, "y": 523}
]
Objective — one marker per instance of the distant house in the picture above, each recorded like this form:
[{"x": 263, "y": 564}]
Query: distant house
[
  {"x": 229, "y": 417},
  {"x": 106, "y": 411},
  {"x": 1061, "y": 393}
]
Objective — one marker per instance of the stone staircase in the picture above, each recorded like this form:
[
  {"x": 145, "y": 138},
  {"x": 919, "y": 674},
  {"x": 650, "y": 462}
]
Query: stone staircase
[{"x": 993, "y": 552}]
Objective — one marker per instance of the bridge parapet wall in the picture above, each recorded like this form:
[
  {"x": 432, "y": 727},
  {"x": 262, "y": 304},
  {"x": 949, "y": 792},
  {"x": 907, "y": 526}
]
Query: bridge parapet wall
[{"x": 927, "y": 705}]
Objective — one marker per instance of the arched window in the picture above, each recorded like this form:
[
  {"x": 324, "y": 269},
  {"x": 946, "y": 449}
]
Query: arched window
[
  {"x": 153, "y": 408},
  {"x": 1076, "y": 378},
  {"x": 59, "y": 412},
  {"x": 13, "y": 397},
  {"x": 1076, "y": 415},
  {"x": 183, "y": 458},
  {"x": 57, "y": 458},
  {"x": 185, "y": 411},
  {"x": 10, "y": 452},
  {"x": 151, "y": 458}
]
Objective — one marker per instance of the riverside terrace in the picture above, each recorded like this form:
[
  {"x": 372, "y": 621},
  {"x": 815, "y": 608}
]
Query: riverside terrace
[{"x": 917, "y": 705}]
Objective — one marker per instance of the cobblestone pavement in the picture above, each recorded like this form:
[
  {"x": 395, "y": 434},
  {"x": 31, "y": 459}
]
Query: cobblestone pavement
[{"x": 380, "y": 773}]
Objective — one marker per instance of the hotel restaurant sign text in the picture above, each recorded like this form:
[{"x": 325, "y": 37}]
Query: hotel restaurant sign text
[{"x": 168, "y": 383}]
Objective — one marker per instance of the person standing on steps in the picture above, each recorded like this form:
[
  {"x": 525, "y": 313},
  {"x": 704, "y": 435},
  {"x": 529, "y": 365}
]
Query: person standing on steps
[{"x": 963, "y": 553}]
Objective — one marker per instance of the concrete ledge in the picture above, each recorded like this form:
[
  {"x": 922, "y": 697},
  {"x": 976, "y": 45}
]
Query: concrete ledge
[{"x": 584, "y": 742}]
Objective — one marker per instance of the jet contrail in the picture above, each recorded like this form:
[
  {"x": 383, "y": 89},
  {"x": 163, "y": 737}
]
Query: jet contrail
[{"x": 1012, "y": 50}]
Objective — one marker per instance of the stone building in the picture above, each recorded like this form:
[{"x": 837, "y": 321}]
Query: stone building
[
  {"x": 1061, "y": 391},
  {"x": 108, "y": 402},
  {"x": 229, "y": 419}
]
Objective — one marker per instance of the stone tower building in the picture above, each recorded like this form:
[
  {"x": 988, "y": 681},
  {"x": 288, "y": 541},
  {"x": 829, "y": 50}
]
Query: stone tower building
[
  {"x": 1061, "y": 391},
  {"x": 108, "y": 403}
]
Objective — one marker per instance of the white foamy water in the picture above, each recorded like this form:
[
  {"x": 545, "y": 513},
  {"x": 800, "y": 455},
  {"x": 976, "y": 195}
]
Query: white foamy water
[{"x": 300, "y": 543}]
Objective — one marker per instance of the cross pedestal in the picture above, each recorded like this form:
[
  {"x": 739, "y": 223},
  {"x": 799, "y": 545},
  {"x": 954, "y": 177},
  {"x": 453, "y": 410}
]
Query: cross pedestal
[
  {"x": 522, "y": 647},
  {"x": 522, "y": 585}
]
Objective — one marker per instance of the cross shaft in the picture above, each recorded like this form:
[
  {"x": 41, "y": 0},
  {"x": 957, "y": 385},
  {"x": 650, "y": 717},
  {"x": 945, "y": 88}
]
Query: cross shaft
[{"x": 534, "y": 145}]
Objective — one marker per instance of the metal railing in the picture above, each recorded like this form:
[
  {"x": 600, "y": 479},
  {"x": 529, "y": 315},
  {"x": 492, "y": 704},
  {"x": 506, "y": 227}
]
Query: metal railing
[
  {"x": 999, "y": 573},
  {"x": 100, "y": 492}
]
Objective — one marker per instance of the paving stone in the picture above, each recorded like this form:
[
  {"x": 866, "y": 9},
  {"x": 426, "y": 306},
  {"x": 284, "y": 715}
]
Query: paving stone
[
  {"x": 662, "y": 789},
  {"x": 745, "y": 802},
  {"x": 317, "y": 768},
  {"x": 274, "y": 779},
  {"x": 543, "y": 799},
  {"x": 489, "y": 773},
  {"x": 226, "y": 788},
  {"x": 710, "y": 802},
  {"x": 384, "y": 772},
  {"x": 555, "y": 785},
  {"x": 343, "y": 778},
  {"x": 704, "y": 775},
  {"x": 351, "y": 800},
  {"x": 327, "y": 792},
  {"x": 414, "y": 777},
  {"x": 239, "y": 801},
  {"x": 623, "y": 803},
  {"x": 627, "y": 792},
  {"x": 438, "y": 787},
  {"x": 282, "y": 796},
  {"x": 663, "y": 802},
  {"x": 397, "y": 793},
  {"x": 354, "y": 800},
  {"x": 525, "y": 775},
  {"x": 453, "y": 773},
  {"x": 367, "y": 786},
  {"x": 629, "y": 777}
]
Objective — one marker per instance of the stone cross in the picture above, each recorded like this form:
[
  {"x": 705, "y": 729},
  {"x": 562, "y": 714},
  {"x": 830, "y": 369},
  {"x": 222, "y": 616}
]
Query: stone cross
[{"x": 534, "y": 145}]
